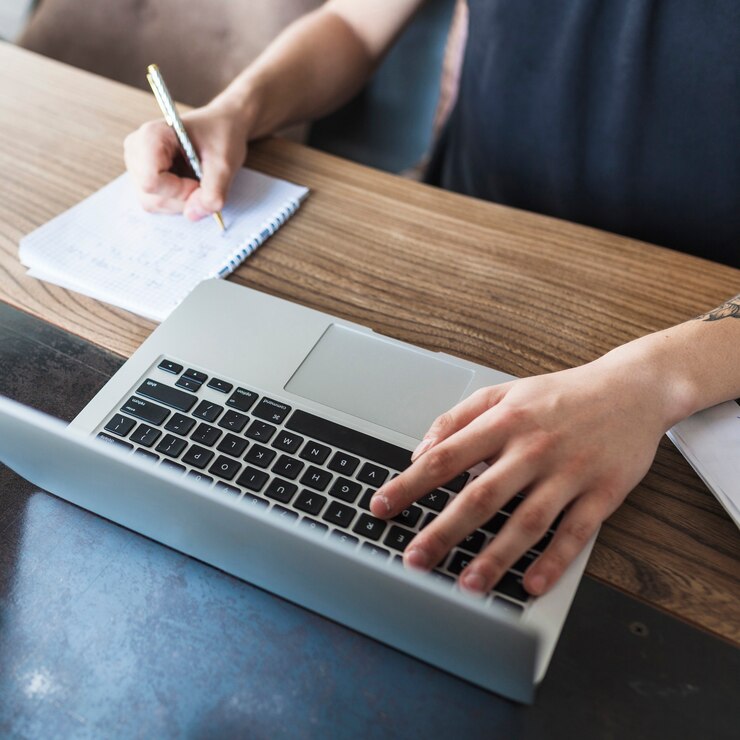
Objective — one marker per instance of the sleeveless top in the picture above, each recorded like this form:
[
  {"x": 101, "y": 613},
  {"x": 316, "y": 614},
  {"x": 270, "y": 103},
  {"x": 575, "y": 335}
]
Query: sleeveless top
[{"x": 619, "y": 114}]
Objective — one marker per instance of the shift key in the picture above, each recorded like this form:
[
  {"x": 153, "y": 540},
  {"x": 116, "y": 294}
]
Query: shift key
[
  {"x": 166, "y": 394},
  {"x": 145, "y": 410}
]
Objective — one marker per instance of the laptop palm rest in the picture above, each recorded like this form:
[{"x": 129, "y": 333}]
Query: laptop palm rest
[{"x": 379, "y": 380}]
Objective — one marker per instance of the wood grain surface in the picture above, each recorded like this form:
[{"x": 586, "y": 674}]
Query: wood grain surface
[{"x": 513, "y": 290}]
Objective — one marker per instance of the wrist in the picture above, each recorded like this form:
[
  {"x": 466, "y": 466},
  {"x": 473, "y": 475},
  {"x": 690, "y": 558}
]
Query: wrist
[
  {"x": 241, "y": 101},
  {"x": 661, "y": 375}
]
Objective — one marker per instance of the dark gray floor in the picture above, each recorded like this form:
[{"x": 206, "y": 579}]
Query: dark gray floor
[{"x": 104, "y": 633}]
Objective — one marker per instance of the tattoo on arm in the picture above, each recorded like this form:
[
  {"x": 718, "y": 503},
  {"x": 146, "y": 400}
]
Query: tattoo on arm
[{"x": 730, "y": 307}]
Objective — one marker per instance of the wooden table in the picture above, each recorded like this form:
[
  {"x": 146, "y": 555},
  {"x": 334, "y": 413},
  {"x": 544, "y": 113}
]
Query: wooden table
[{"x": 520, "y": 292}]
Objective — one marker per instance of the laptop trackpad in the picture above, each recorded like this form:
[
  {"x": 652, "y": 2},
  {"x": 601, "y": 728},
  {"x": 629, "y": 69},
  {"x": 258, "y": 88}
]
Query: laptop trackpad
[{"x": 373, "y": 378}]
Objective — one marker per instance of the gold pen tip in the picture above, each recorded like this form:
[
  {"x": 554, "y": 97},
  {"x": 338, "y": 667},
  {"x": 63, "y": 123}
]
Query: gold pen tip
[{"x": 219, "y": 220}]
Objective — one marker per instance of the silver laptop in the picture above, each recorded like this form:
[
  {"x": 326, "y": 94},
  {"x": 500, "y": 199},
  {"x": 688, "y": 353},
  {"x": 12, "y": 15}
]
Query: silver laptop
[{"x": 250, "y": 433}]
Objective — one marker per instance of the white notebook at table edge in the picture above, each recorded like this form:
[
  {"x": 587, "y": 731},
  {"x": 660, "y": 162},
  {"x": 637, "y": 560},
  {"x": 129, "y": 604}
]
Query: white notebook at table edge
[{"x": 107, "y": 247}]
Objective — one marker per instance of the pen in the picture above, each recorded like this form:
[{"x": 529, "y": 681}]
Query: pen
[{"x": 171, "y": 117}]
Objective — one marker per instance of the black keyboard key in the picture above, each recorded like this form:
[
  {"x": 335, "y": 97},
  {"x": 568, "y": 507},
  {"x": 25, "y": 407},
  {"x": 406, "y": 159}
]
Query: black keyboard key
[
  {"x": 260, "y": 431},
  {"x": 225, "y": 467},
  {"x": 458, "y": 483},
  {"x": 494, "y": 524},
  {"x": 259, "y": 455},
  {"x": 409, "y": 516},
  {"x": 206, "y": 435},
  {"x": 543, "y": 543},
  {"x": 281, "y": 490},
  {"x": 343, "y": 463},
  {"x": 172, "y": 465},
  {"x": 345, "y": 489},
  {"x": 288, "y": 467},
  {"x": 428, "y": 519},
  {"x": 188, "y": 384},
  {"x": 316, "y": 478},
  {"x": 366, "y": 498},
  {"x": 146, "y": 454},
  {"x": 398, "y": 538},
  {"x": 283, "y": 513},
  {"x": 114, "y": 441},
  {"x": 315, "y": 452},
  {"x": 511, "y": 585},
  {"x": 252, "y": 479},
  {"x": 458, "y": 562},
  {"x": 349, "y": 440},
  {"x": 208, "y": 411},
  {"x": 180, "y": 424},
  {"x": 195, "y": 375},
  {"x": 287, "y": 442},
  {"x": 370, "y": 527},
  {"x": 372, "y": 474},
  {"x": 257, "y": 501},
  {"x": 145, "y": 410},
  {"x": 226, "y": 488},
  {"x": 170, "y": 367},
  {"x": 435, "y": 500},
  {"x": 171, "y": 445},
  {"x": 524, "y": 562},
  {"x": 374, "y": 551},
  {"x": 271, "y": 410},
  {"x": 313, "y": 524},
  {"x": 232, "y": 445},
  {"x": 310, "y": 501},
  {"x": 220, "y": 385},
  {"x": 167, "y": 395},
  {"x": 242, "y": 399},
  {"x": 233, "y": 421},
  {"x": 197, "y": 456},
  {"x": 200, "y": 477},
  {"x": 344, "y": 538},
  {"x": 510, "y": 606},
  {"x": 473, "y": 542},
  {"x": 511, "y": 504},
  {"x": 339, "y": 514},
  {"x": 145, "y": 435},
  {"x": 120, "y": 425}
]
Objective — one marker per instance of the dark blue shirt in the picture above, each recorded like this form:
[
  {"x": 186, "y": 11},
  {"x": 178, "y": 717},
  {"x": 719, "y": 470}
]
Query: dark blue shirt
[{"x": 620, "y": 114}]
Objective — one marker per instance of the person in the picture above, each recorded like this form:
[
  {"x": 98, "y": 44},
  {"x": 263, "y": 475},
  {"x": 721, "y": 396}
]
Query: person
[{"x": 588, "y": 111}]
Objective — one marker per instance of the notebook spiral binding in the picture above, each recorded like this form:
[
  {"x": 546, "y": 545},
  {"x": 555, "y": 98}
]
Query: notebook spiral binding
[{"x": 265, "y": 233}]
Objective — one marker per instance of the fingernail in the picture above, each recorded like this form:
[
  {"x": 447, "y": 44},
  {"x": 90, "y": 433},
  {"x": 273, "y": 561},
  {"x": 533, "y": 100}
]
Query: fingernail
[
  {"x": 538, "y": 583},
  {"x": 416, "y": 558},
  {"x": 473, "y": 582},
  {"x": 379, "y": 505},
  {"x": 422, "y": 447}
]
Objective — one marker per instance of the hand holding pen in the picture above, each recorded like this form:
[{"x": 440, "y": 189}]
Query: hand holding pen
[{"x": 218, "y": 139}]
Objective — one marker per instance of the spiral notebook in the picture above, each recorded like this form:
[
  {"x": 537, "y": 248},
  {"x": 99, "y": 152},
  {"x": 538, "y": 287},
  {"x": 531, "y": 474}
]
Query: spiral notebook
[{"x": 107, "y": 247}]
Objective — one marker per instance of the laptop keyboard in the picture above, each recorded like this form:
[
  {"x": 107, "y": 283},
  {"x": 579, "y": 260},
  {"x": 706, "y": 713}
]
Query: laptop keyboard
[{"x": 304, "y": 468}]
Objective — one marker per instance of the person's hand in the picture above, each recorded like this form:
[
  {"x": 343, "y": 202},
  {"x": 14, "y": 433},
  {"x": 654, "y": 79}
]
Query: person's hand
[
  {"x": 220, "y": 138},
  {"x": 575, "y": 441}
]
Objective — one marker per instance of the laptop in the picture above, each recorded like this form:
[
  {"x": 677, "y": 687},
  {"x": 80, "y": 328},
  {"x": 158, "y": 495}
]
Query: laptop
[
  {"x": 710, "y": 441},
  {"x": 250, "y": 432}
]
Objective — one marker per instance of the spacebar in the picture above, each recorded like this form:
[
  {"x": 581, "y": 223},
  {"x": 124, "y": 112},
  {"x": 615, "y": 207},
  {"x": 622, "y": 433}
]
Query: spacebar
[{"x": 349, "y": 440}]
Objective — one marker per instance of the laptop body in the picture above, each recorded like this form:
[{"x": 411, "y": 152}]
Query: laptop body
[
  {"x": 294, "y": 366},
  {"x": 710, "y": 441}
]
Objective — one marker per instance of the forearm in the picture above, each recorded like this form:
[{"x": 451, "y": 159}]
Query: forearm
[
  {"x": 315, "y": 65},
  {"x": 691, "y": 366}
]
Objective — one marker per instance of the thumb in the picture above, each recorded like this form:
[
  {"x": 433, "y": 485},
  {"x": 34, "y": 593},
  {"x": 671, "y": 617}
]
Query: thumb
[{"x": 211, "y": 195}]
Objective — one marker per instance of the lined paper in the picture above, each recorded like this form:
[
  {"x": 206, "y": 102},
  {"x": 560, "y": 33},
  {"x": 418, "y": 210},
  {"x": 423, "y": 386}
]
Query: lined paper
[{"x": 107, "y": 247}]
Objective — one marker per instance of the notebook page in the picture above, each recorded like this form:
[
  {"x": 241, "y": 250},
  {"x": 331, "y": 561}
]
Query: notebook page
[{"x": 109, "y": 248}]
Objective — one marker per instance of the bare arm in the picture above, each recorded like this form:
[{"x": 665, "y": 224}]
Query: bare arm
[
  {"x": 576, "y": 441},
  {"x": 314, "y": 66}
]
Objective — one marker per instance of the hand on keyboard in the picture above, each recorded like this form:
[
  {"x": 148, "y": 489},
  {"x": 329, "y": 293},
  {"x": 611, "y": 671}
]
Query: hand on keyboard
[{"x": 574, "y": 442}]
